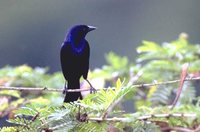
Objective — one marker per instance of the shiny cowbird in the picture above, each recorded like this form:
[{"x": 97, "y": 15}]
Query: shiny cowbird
[{"x": 74, "y": 56}]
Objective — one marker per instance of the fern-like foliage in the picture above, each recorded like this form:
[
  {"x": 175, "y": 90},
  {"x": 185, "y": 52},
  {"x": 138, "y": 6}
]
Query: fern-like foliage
[
  {"x": 163, "y": 62},
  {"x": 73, "y": 116},
  {"x": 104, "y": 111},
  {"x": 161, "y": 95}
]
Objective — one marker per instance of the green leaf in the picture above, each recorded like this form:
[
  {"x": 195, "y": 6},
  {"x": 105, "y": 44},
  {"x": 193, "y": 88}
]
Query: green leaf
[
  {"x": 10, "y": 93},
  {"x": 148, "y": 46}
]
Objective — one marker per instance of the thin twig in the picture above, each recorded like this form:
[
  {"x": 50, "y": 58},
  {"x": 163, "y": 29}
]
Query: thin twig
[
  {"x": 182, "y": 79},
  {"x": 40, "y": 89},
  {"x": 197, "y": 129},
  {"x": 145, "y": 117},
  {"x": 114, "y": 119},
  {"x": 110, "y": 108},
  {"x": 179, "y": 129},
  {"x": 87, "y": 89},
  {"x": 134, "y": 78}
]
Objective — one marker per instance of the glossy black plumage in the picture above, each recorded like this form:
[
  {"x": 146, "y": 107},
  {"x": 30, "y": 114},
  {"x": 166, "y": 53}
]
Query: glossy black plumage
[{"x": 74, "y": 56}]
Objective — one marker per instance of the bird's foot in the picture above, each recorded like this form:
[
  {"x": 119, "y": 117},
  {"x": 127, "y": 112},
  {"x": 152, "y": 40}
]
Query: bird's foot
[
  {"x": 92, "y": 89},
  {"x": 65, "y": 89}
]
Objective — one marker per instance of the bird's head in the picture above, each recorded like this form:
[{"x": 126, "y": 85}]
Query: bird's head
[{"x": 78, "y": 32}]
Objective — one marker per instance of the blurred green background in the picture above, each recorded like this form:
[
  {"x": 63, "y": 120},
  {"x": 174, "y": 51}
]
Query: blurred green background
[{"x": 31, "y": 31}]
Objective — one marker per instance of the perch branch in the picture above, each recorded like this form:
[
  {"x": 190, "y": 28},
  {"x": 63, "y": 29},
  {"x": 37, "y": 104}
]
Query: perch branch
[{"x": 87, "y": 89}]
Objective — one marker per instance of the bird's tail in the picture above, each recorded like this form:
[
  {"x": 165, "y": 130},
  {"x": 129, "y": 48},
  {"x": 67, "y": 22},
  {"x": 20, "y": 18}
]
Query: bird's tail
[{"x": 73, "y": 96}]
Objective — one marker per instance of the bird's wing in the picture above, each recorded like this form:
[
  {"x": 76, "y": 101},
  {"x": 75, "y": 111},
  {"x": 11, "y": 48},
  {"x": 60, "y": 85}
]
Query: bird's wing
[
  {"x": 86, "y": 56},
  {"x": 65, "y": 57}
]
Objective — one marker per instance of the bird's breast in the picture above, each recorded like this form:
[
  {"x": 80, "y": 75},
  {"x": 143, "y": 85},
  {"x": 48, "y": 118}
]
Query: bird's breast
[{"x": 79, "y": 49}]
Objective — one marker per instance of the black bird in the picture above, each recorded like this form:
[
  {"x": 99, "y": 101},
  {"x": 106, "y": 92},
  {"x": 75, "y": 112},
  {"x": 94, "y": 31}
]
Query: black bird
[{"x": 74, "y": 56}]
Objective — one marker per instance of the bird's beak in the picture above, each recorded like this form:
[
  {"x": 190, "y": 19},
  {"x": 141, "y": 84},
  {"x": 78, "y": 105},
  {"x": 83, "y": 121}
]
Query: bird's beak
[{"x": 91, "y": 28}]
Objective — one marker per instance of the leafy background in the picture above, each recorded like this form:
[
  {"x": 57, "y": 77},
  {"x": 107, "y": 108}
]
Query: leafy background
[
  {"x": 106, "y": 109},
  {"x": 31, "y": 32}
]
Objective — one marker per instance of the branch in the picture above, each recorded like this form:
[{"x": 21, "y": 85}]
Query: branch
[
  {"x": 87, "y": 89},
  {"x": 182, "y": 79},
  {"x": 145, "y": 117},
  {"x": 179, "y": 129},
  {"x": 114, "y": 119},
  {"x": 41, "y": 89},
  {"x": 110, "y": 107},
  {"x": 197, "y": 129}
]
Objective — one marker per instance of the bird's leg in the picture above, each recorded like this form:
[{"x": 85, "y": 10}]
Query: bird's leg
[
  {"x": 65, "y": 88},
  {"x": 92, "y": 89}
]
